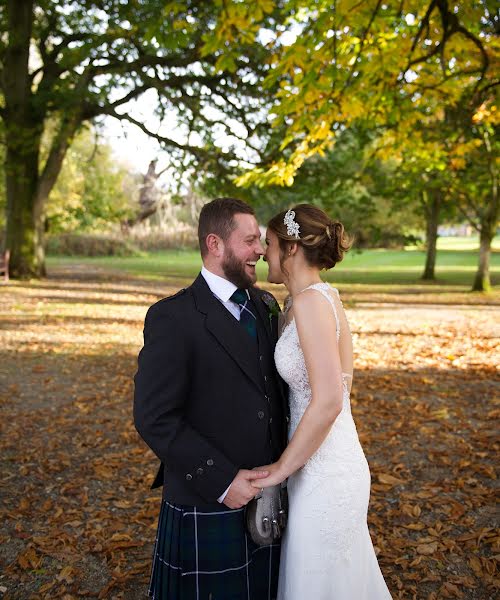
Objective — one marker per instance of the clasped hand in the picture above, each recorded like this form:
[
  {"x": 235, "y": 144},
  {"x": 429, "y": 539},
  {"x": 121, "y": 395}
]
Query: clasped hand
[
  {"x": 275, "y": 476},
  {"x": 247, "y": 484},
  {"x": 243, "y": 487}
]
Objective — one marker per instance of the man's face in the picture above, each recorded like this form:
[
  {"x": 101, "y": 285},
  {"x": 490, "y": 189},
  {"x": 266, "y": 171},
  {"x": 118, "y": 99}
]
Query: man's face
[{"x": 242, "y": 250}]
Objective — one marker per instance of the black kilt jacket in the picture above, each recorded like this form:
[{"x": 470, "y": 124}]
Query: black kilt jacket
[{"x": 208, "y": 399}]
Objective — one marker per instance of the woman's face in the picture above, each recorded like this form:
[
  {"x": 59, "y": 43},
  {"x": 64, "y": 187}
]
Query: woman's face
[{"x": 272, "y": 257}]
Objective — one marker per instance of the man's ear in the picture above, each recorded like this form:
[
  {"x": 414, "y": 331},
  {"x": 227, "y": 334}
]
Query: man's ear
[{"x": 215, "y": 245}]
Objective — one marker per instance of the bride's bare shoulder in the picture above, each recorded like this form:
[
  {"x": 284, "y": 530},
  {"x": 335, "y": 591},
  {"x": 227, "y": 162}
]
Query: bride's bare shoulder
[{"x": 310, "y": 307}]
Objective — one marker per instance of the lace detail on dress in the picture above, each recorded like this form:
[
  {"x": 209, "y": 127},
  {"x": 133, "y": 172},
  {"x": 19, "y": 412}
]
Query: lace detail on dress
[
  {"x": 337, "y": 472},
  {"x": 290, "y": 360}
]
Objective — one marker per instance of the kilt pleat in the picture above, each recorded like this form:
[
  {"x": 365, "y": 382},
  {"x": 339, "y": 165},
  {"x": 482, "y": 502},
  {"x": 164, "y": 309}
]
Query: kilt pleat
[
  {"x": 204, "y": 555},
  {"x": 166, "y": 555}
]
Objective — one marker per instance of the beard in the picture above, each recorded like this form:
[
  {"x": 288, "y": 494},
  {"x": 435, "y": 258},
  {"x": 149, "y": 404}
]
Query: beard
[{"x": 234, "y": 270}]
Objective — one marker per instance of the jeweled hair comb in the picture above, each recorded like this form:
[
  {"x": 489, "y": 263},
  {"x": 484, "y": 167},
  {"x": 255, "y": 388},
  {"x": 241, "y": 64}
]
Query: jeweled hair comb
[{"x": 292, "y": 227}]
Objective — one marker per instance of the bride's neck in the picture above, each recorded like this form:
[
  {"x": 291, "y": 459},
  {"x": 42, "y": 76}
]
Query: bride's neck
[{"x": 297, "y": 282}]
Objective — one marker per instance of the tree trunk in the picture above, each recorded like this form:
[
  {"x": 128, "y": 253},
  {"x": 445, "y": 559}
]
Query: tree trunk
[
  {"x": 22, "y": 137},
  {"x": 488, "y": 225},
  {"x": 482, "y": 277},
  {"x": 23, "y": 232},
  {"x": 148, "y": 197},
  {"x": 48, "y": 178},
  {"x": 27, "y": 190},
  {"x": 432, "y": 208},
  {"x": 27, "y": 194}
]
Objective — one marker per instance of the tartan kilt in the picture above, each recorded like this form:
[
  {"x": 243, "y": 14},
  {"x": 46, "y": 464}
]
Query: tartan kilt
[{"x": 203, "y": 555}]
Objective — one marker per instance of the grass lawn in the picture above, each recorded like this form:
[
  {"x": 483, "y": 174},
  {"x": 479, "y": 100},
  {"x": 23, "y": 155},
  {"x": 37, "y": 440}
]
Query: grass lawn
[{"x": 456, "y": 266}]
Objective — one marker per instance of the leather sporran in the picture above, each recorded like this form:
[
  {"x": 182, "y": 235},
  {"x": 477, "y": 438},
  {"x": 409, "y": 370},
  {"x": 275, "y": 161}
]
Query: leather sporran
[{"x": 266, "y": 515}]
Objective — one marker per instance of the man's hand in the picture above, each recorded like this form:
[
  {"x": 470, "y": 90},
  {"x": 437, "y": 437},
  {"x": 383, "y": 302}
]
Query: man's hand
[{"x": 241, "y": 490}]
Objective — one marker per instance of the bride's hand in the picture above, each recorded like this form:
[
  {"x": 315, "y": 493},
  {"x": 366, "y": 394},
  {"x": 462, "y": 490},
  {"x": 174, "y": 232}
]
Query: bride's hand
[{"x": 276, "y": 475}]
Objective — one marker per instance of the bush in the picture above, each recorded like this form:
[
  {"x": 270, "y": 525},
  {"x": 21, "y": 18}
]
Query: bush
[
  {"x": 374, "y": 238},
  {"x": 159, "y": 240},
  {"x": 78, "y": 244}
]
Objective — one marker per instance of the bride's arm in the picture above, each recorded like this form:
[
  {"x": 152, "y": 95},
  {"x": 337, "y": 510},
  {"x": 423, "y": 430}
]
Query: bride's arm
[{"x": 317, "y": 334}]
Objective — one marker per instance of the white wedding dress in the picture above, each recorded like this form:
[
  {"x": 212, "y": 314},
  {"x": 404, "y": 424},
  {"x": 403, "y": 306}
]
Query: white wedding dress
[{"x": 327, "y": 552}]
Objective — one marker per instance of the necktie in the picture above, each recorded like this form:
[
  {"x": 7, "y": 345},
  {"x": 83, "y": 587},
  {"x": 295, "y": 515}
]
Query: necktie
[{"x": 247, "y": 311}]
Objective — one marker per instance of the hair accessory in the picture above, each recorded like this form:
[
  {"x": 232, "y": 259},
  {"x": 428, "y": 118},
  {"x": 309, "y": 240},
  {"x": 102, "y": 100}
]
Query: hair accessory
[
  {"x": 292, "y": 227},
  {"x": 328, "y": 232}
]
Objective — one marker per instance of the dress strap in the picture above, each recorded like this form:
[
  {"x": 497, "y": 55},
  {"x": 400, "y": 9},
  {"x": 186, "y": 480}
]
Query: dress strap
[{"x": 320, "y": 287}]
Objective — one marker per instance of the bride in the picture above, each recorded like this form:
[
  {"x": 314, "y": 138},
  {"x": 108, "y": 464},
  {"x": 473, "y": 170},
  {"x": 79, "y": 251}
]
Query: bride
[{"x": 327, "y": 552}]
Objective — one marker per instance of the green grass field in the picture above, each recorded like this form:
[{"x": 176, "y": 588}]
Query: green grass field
[{"x": 456, "y": 265}]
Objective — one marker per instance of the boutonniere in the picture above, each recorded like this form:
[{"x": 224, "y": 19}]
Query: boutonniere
[{"x": 272, "y": 306}]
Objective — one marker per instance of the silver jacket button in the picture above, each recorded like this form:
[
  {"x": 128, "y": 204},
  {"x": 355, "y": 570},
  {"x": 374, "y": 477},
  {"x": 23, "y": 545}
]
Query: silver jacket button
[{"x": 189, "y": 477}]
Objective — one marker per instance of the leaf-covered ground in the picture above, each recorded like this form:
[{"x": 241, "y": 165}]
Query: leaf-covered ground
[{"x": 78, "y": 519}]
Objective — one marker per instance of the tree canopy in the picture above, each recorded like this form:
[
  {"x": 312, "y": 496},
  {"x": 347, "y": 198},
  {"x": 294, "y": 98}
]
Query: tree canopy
[
  {"x": 71, "y": 62},
  {"x": 262, "y": 86},
  {"x": 394, "y": 65}
]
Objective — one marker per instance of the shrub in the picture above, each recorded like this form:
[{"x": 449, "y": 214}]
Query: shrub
[
  {"x": 160, "y": 240},
  {"x": 79, "y": 244},
  {"x": 374, "y": 238}
]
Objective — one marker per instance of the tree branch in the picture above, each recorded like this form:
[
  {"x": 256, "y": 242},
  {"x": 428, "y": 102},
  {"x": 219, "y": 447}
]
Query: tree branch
[
  {"x": 196, "y": 150},
  {"x": 183, "y": 59},
  {"x": 55, "y": 159},
  {"x": 71, "y": 121},
  {"x": 424, "y": 24},
  {"x": 464, "y": 213},
  {"x": 361, "y": 45}
]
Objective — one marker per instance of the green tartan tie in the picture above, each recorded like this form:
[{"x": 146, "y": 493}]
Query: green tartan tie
[{"x": 247, "y": 311}]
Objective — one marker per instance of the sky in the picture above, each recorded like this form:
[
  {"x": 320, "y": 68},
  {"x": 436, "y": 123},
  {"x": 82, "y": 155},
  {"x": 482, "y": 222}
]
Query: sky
[{"x": 132, "y": 146}]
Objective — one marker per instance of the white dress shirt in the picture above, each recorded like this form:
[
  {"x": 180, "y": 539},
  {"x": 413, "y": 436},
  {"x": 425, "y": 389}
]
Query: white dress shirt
[{"x": 222, "y": 289}]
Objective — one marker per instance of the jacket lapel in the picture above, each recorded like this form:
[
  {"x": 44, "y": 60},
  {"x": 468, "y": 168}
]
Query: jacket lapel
[
  {"x": 263, "y": 314},
  {"x": 227, "y": 331},
  {"x": 271, "y": 327}
]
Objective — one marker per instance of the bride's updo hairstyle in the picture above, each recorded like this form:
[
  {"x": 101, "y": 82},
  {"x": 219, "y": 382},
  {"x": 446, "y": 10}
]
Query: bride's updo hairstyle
[{"x": 324, "y": 241}]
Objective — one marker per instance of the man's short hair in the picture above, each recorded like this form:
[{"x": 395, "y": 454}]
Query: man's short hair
[{"x": 217, "y": 217}]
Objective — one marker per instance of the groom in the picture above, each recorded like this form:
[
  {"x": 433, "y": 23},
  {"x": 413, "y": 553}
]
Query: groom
[{"x": 210, "y": 404}]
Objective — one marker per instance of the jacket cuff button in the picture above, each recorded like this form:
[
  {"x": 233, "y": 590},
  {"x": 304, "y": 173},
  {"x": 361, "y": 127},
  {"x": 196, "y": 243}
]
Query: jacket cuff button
[
  {"x": 210, "y": 462},
  {"x": 199, "y": 471},
  {"x": 189, "y": 476}
]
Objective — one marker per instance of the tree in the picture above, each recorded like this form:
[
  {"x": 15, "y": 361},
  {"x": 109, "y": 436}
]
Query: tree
[
  {"x": 390, "y": 64},
  {"x": 148, "y": 196},
  {"x": 420, "y": 180},
  {"x": 401, "y": 67},
  {"x": 71, "y": 62},
  {"x": 92, "y": 191},
  {"x": 352, "y": 185},
  {"x": 475, "y": 186}
]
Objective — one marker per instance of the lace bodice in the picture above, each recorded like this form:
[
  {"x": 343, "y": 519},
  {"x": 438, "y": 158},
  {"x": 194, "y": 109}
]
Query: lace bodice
[{"x": 290, "y": 360}]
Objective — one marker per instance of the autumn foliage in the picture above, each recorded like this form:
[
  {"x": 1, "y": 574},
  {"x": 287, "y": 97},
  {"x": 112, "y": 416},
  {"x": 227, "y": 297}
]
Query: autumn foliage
[{"x": 78, "y": 517}]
